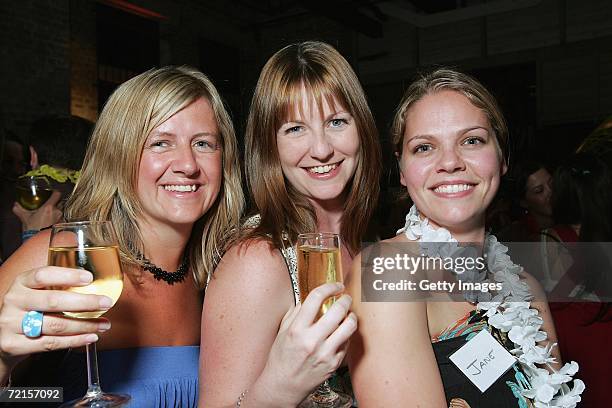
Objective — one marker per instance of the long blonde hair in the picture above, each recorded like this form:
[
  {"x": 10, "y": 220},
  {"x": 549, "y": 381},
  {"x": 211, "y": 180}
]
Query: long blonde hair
[
  {"x": 106, "y": 189},
  {"x": 326, "y": 75}
]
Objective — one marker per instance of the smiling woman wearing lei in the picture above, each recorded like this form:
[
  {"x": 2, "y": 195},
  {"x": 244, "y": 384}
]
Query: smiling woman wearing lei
[{"x": 451, "y": 142}]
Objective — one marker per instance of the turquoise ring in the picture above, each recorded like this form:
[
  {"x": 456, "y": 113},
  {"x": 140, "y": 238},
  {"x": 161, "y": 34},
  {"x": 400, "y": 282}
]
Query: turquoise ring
[{"x": 32, "y": 324}]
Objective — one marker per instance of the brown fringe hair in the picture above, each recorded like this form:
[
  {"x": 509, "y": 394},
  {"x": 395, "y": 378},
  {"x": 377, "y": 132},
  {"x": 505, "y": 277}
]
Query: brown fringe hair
[{"x": 326, "y": 75}]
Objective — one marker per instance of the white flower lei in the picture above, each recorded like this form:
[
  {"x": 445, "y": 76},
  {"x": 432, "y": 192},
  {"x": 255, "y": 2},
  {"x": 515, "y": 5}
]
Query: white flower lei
[{"x": 509, "y": 311}]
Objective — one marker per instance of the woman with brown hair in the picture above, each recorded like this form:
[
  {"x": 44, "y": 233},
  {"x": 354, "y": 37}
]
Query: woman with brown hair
[
  {"x": 312, "y": 164},
  {"x": 450, "y": 140}
]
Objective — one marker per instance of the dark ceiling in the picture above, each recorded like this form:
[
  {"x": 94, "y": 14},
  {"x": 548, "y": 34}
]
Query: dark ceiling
[{"x": 364, "y": 16}]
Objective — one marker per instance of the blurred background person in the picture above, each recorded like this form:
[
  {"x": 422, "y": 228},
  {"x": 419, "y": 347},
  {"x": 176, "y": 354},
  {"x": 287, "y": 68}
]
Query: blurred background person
[
  {"x": 532, "y": 189},
  {"x": 55, "y": 154},
  {"x": 599, "y": 141},
  {"x": 14, "y": 163},
  {"x": 528, "y": 204},
  {"x": 59, "y": 142},
  {"x": 579, "y": 265},
  {"x": 13, "y": 156}
]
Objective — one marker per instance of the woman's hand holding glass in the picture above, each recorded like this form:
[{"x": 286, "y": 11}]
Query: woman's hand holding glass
[
  {"x": 92, "y": 246},
  {"x": 306, "y": 350},
  {"x": 30, "y": 292}
]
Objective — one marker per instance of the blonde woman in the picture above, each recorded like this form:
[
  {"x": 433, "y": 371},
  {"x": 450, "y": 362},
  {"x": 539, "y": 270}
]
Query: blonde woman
[
  {"x": 162, "y": 166},
  {"x": 312, "y": 164}
]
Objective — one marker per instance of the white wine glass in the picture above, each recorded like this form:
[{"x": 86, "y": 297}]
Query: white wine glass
[
  {"x": 32, "y": 191},
  {"x": 319, "y": 262},
  {"x": 90, "y": 245}
]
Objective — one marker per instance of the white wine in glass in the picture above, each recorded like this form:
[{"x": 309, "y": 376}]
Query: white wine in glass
[
  {"x": 103, "y": 262},
  {"x": 319, "y": 262},
  {"x": 90, "y": 245},
  {"x": 32, "y": 192}
]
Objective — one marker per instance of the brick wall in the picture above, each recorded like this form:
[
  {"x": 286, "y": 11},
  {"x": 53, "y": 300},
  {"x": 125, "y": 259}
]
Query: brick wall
[
  {"x": 34, "y": 55},
  {"x": 83, "y": 62}
]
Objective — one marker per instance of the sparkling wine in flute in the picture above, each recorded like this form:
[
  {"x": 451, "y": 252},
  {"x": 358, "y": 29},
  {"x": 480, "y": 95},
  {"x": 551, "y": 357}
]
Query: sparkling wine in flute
[
  {"x": 102, "y": 262},
  {"x": 318, "y": 259},
  {"x": 318, "y": 262}
]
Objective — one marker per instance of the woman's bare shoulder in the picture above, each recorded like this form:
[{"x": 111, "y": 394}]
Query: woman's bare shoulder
[
  {"x": 254, "y": 267},
  {"x": 389, "y": 249},
  {"x": 248, "y": 293},
  {"x": 251, "y": 254},
  {"x": 535, "y": 288},
  {"x": 404, "y": 241}
]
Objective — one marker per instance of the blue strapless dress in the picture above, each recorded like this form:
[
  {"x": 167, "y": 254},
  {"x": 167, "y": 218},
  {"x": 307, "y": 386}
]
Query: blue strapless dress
[{"x": 152, "y": 376}]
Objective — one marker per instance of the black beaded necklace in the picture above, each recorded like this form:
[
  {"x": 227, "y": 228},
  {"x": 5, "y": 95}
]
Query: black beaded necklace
[{"x": 169, "y": 277}]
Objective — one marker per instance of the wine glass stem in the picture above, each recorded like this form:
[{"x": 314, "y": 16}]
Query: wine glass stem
[
  {"x": 324, "y": 395},
  {"x": 93, "y": 380}
]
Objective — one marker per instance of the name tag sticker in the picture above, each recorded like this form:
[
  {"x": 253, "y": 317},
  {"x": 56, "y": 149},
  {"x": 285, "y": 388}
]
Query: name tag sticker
[{"x": 483, "y": 360}]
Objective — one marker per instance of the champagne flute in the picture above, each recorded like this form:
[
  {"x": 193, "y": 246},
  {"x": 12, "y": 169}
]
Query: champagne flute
[
  {"x": 32, "y": 191},
  {"x": 318, "y": 260},
  {"x": 90, "y": 245}
]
